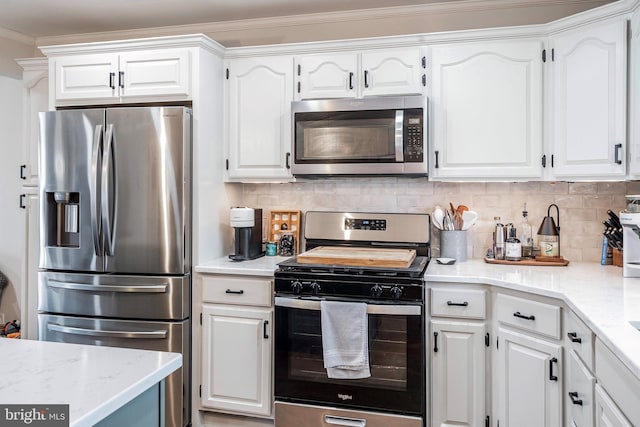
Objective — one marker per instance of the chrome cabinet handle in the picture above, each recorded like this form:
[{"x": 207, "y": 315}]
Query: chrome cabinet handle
[
  {"x": 304, "y": 304},
  {"x": 342, "y": 421},
  {"x": 106, "y": 333},
  {"x": 72, "y": 286}
]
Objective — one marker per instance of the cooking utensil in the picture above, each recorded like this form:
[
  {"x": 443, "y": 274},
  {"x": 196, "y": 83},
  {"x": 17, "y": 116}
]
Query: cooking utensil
[
  {"x": 438, "y": 217},
  {"x": 469, "y": 218}
]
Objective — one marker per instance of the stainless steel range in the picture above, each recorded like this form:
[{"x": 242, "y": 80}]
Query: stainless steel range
[{"x": 395, "y": 391}]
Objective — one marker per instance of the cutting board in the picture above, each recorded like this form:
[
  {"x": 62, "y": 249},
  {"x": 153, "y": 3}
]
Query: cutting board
[{"x": 359, "y": 257}]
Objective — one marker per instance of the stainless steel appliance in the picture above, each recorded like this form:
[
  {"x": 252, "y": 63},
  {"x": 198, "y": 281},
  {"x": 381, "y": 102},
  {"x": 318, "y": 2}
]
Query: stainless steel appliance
[
  {"x": 395, "y": 393},
  {"x": 247, "y": 223},
  {"x": 370, "y": 136},
  {"x": 630, "y": 222},
  {"x": 115, "y": 232}
]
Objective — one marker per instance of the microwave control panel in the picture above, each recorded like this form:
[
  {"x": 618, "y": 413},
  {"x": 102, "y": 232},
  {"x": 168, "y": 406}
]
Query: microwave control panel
[{"x": 413, "y": 136}]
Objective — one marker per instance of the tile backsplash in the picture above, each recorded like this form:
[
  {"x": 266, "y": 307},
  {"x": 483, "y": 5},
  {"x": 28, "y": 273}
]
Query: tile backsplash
[{"x": 583, "y": 205}]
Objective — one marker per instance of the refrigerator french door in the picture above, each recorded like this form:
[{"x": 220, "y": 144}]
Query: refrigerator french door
[{"x": 115, "y": 232}]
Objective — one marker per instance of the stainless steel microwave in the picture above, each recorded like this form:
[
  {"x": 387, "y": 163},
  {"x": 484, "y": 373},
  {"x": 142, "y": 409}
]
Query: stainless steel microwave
[{"x": 369, "y": 136}]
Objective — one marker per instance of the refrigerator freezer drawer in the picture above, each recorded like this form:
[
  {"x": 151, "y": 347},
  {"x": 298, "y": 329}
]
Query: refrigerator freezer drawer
[
  {"x": 128, "y": 297},
  {"x": 144, "y": 335}
]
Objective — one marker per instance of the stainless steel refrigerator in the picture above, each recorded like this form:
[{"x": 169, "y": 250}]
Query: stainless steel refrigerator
[{"x": 115, "y": 233}]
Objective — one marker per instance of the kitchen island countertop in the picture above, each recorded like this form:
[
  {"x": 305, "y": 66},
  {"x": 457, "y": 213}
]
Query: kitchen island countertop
[
  {"x": 94, "y": 381},
  {"x": 599, "y": 295}
]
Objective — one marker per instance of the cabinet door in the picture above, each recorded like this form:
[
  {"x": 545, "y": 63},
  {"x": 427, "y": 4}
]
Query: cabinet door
[
  {"x": 457, "y": 373},
  {"x": 236, "y": 359},
  {"x": 327, "y": 76},
  {"x": 580, "y": 390},
  {"x": 160, "y": 73},
  {"x": 528, "y": 379},
  {"x": 392, "y": 72},
  {"x": 634, "y": 94},
  {"x": 35, "y": 79},
  {"x": 607, "y": 413},
  {"x": 486, "y": 109},
  {"x": 258, "y": 97},
  {"x": 29, "y": 296},
  {"x": 86, "y": 77},
  {"x": 588, "y": 92}
]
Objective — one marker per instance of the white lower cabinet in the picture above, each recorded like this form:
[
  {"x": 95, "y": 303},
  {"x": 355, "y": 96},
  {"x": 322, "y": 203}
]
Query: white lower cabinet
[
  {"x": 527, "y": 380},
  {"x": 607, "y": 413},
  {"x": 237, "y": 345},
  {"x": 458, "y": 373},
  {"x": 236, "y": 359},
  {"x": 580, "y": 389}
]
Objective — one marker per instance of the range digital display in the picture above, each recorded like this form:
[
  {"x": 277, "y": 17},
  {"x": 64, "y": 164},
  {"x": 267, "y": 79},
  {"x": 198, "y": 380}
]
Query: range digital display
[{"x": 365, "y": 224}]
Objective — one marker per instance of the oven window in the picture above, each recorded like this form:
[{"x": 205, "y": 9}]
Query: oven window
[
  {"x": 387, "y": 349},
  {"x": 347, "y": 137},
  {"x": 396, "y": 360}
]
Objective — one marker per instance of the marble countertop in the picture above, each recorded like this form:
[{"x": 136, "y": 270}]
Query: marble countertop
[
  {"x": 94, "y": 381},
  {"x": 599, "y": 295},
  {"x": 263, "y": 266}
]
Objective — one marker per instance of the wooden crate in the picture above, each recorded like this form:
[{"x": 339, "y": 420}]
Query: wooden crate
[{"x": 290, "y": 219}]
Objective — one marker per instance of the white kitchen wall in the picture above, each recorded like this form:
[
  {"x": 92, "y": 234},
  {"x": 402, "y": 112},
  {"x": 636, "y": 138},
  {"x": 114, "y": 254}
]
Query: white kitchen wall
[
  {"x": 11, "y": 216},
  {"x": 583, "y": 206}
]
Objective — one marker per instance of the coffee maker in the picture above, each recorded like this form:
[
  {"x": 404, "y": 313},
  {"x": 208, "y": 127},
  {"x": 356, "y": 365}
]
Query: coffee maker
[
  {"x": 631, "y": 238},
  {"x": 248, "y": 236}
]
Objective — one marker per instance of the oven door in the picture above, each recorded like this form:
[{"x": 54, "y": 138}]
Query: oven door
[{"x": 396, "y": 357}]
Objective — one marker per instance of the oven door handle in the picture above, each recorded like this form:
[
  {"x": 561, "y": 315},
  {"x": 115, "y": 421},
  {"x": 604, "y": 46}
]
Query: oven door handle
[
  {"x": 400, "y": 310},
  {"x": 342, "y": 421}
]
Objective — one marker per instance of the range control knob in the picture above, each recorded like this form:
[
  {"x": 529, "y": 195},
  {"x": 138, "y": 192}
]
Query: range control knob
[
  {"x": 315, "y": 288},
  {"x": 296, "y": 287},
  {"x": 376, "y": 291},
  {"x": 396, "y": 292}
]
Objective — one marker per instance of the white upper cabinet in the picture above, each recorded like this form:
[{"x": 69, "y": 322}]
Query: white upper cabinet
[
  {"x": 634, "y": 100},
  {"x": 397, "y": 71},
  {"x": 486, "y": 103},
  {"x": 587, "y": 101},
  {"x": 258, "y": 95},
  {"x": 122, "y": 77}
]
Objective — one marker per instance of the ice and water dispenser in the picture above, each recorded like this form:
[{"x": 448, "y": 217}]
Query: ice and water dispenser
[{"x": 63, "y": 219}]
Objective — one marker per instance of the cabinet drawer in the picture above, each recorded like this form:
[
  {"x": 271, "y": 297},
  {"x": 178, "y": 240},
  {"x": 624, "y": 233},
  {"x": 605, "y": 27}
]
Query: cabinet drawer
[
  {"x": 462, "y": 303},
  {"x": 579, "y": 338},
  {"x": 237, "y": 290},
  {"x": 538, "y": 317},
  {"x": 580, "y": 392}
]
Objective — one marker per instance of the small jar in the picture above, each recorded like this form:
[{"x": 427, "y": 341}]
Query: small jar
[
  {"x": 633, "y": 203},
  {"x": 272, "y": 249}
]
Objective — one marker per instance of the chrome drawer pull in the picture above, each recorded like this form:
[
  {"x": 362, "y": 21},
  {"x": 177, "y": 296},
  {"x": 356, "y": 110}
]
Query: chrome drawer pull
[
  {"x": 106, "y": 288},
  {"x": 104, "y": 333},
  {"x": 347, "y": 422}
]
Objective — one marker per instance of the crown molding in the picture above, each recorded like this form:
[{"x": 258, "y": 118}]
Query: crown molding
[{"x": 429, "y": 10}]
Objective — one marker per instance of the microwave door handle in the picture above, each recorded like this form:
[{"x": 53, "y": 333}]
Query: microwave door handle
[
  {"x": 399, "y": 135},
  {"x": 94, "y": 197}
]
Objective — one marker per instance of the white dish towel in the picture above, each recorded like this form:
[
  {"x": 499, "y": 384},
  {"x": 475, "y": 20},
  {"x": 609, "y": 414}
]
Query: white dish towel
[{"x": 345, "y": 339}]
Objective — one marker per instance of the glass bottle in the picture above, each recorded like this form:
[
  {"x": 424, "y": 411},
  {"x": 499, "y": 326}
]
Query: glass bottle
[
  {"x": 498, "y": 239},
  {"x": 513, "y": 248},
  {"x": 526, "y": 235}
]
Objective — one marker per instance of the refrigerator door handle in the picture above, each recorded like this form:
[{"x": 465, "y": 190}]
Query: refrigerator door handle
[
  {"x": 106, "y": 333},
  {"x": 94, "y": 197},
  {"x": 72, "y": 286},
  {"x": 108, "y": 193}
]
